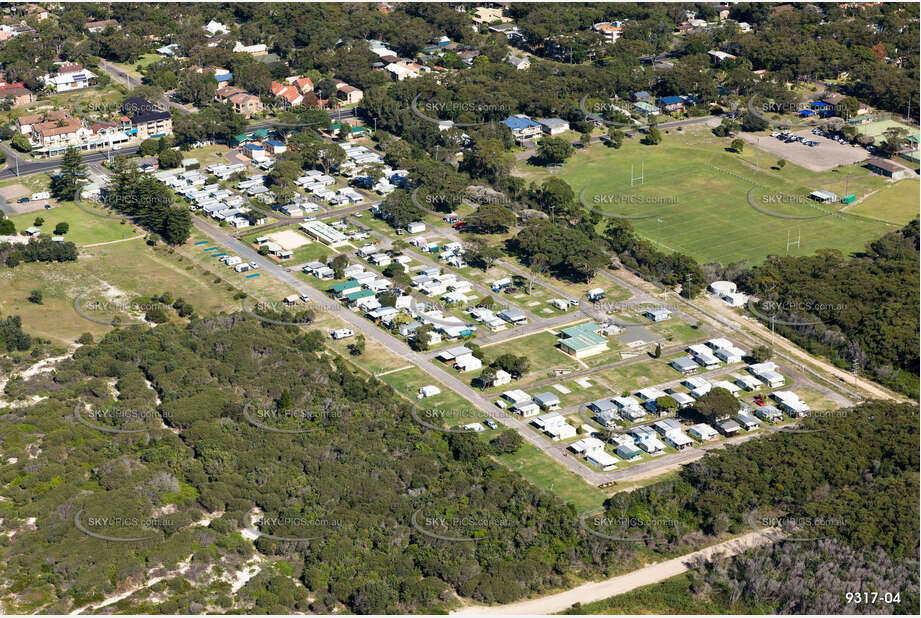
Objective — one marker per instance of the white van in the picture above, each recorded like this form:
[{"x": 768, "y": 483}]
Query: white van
[{"x": 342, "y": 333}]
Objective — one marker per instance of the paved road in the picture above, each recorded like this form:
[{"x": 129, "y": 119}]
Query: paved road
[
  {"x": 132, "y": 82},
  {"x": 29, "y": 166},
  {"x": 598, "y": 591},
  {"x": 400, "y": 349}
]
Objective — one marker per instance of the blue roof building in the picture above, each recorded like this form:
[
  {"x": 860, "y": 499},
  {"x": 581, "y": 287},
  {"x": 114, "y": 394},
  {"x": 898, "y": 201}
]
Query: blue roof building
[
  {"x": 519, "y": 122},
  {"x": 642, "y": 95}
]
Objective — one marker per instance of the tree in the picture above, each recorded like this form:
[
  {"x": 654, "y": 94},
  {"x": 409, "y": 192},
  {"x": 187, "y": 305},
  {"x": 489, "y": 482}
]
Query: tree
[
  {"x": 658, "y": 351},
  {"x": 420, "y": 339},
  {"x": 507, "y": 442},
  {"x": 339, "y": 264},
  {"x": 73, "y": 171},
  {"x": 585, "y": 139},
  {"x": 615, "y": 137},
  {"x": 196, "y": 88},
  {"x": 781, "y": 164},
  {"x": 170, "y": 159},
  {"x": 761, "y": 353},
  {"x": 35, "y": 296},
  {"x": 737, "y": 145},
  {"x": 717, "y": 404},
  {"x": 894, "y": 140},
  {"x": 653, "y": 137},
  {"x": 21, "y": 143},
  {"x": 490, "y": 219},
  {"x": 556, "y": 198},
  {"x": 39, "y": 221},
  {"x": 666, "y": 404},
  {"x": 61, "y": 228},
  {"x": 553, "y": 150},
  {"x": 7, "y": 227}
]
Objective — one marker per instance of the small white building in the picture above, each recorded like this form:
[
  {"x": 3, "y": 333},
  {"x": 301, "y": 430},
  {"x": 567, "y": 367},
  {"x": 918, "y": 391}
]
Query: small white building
[
  {"x": 429, "y": 390},
  {"x": 702, "y": 432}
]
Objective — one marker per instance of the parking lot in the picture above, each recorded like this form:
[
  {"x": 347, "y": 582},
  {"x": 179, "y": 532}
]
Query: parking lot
[{"x": 827, "y": 155}]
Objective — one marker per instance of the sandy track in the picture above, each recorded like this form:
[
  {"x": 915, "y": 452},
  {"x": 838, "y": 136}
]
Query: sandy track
[{"x": 597, "y": 591}]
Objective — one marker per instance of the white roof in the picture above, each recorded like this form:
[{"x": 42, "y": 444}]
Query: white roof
[{"x": 602, "y": 459}]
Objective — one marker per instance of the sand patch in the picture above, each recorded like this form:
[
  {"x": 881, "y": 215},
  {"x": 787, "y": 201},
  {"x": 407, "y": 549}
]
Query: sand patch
[{"x": 289, "y": 240}]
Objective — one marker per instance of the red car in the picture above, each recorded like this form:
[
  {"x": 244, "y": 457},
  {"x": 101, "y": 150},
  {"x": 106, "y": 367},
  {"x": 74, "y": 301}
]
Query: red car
[{"x": 759, "y": 400}]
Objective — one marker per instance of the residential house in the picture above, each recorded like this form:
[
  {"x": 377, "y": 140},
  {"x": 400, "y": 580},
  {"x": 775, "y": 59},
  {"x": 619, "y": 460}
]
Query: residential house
[
  {"x": 767, "y": 373},
  {"x": 555, "y": 426},
  {"x": 659, "y": 314},
  {"x": 288, "y": 95},
  {"x": 610, "y": 31},
  {"x": 685, "y": 365},
  {"x": 547, "y": 400},
  {"x": 583, "y": 340},
  {"x": 69, "y": 76},
  {"x": 521, "y": 63},
  {"x": 259, "y": 49},
  {"x": 522, "y": 127},
  {"x": 349, "y": 94},
  {"x": 702, "y": 432},
  {"x": 670, "y": 104},
  {"x": 147, "y": 120},
  {"x": 646, "y": 109},
  {"x": 94, "y": 27},
  {"x": 16, "y": 95},
  {"x": 553, "y": 126},
  {"x": 514, "y": 316}
]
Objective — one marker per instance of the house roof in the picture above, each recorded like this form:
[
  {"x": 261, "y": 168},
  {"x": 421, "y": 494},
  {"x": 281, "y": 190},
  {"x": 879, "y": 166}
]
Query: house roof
[
  {"x": 519, "y": 122},
  {"x": 671, "y": 100}
]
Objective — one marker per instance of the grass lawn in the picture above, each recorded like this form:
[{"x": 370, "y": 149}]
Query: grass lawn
[
  {"x": 84, "y": 229},
  {"x": 709, "y": 216},
  {"x": 676, "y": 331},
  {"x": 375, "y": 359},
  {"x": 140, "y": 271},
  {"x": 541, "y": 350},
  {"x": 897, "y": 203},
  {"x": 408, "y": 382},
  {"x": 639, "y": 375},
  {"x": 544, "y": 473}
]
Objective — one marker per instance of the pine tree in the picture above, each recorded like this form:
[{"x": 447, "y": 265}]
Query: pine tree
[{"x": 73, "y": 171}]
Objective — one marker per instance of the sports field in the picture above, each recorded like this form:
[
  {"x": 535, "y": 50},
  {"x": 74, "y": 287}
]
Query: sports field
[
  {"x": 690, "y": 195},
  {"x": 879, "y": 127}
]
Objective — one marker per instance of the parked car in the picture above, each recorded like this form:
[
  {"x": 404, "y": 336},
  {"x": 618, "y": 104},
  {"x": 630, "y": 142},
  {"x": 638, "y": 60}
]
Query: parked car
[
  {"x": 759, "y": 400},
  {"x": 491, "y": 423},
  {"x": 22, "y": 200}
]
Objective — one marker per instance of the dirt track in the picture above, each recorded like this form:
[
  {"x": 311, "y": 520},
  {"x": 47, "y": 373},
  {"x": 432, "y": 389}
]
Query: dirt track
[{"x": 597, "y": 591}]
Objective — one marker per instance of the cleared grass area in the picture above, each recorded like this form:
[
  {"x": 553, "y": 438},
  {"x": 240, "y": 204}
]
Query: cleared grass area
[
  {"x": 126, "y": 270},
  {"x": 897, "y": 203},
  {"x": 540, "y": 348},
  {"x": 705, "y": 212},
  {"x": 408, "y": 382},
  {"x": 633, "y": 377},
  {"x": 544, "y": 473},
  {"x": 84, "y": 228}
]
